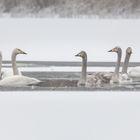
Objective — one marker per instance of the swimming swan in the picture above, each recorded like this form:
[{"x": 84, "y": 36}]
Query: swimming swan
[
  {"x": 86, "y": 79},
  {"x": 115, "y": 75},
  {"x": 112, "y": 77},
  {"x": 124, "y": 75},
  {"x": 16, "y": 79},
  {"x": 15, "y": 70}
]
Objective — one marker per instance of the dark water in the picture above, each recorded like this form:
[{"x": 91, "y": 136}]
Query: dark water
[{"x": 66, "y": 81}]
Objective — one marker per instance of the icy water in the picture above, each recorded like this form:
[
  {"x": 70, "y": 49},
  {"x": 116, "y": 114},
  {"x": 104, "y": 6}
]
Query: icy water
[{"x": 63, "y": 76}]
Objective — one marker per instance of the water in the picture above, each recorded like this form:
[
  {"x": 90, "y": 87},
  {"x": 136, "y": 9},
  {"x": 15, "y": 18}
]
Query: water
[{"x": 63, "y": 76}]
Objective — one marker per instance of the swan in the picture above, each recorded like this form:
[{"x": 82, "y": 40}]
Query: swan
[
  {"x": 15, "y": 52},
  {"x": 16, "y": 79},
  {"x": 85, "y": 79},
  {"x": 126, "y": 61},
  {"x": 112, "y": 77},
  {"x": 115, "y": 76},
  {"x": 124, "y": 75}
]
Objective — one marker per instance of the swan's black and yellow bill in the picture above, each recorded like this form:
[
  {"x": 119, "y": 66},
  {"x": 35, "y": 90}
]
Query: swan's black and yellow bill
[
  {"x": 24, "y": 52},
  {"x": 77, "y": 54},
  {"x": 113, "y": 50}
]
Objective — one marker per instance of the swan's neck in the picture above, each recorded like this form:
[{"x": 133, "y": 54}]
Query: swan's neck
[
  {"x": 84, "y": 70},
  {"x": 14, "y": 65},
  {"x": 117, "y": 68},
  {"x": 125, "y": 64}
]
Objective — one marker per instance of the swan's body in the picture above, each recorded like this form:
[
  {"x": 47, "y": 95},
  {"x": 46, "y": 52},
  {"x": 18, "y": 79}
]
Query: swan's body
[
  {"x": 7, "y": 73},
  {"x": 134, "y": 73},
  {"x": 16, "y": 79}
]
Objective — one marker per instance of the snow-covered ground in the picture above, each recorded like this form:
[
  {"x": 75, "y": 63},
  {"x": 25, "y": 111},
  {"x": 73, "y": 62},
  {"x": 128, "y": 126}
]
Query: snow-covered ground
[
  {"x": 69, "y": 116},
  {"x": 61, "y": 39}
]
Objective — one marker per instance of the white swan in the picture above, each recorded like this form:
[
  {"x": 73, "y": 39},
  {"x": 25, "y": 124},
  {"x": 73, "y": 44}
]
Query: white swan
[
  {"x": 16, "y": 79},
  {"x": 85, "y": 79},
  {"x": 133, "y": 73},
  {"x": 15, "y": 70}
]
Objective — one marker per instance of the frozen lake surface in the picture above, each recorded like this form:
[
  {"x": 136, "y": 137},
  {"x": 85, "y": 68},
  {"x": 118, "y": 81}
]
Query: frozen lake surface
[{"x": 69, "y": 115}]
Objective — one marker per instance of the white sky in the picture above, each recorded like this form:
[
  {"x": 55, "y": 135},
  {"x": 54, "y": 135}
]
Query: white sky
[{"x": 61, "y": 39}]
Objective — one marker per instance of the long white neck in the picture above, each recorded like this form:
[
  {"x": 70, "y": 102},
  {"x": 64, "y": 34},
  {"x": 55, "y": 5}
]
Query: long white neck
[
  {"x": 125, "y": 64},
  {"x": 117, "y": 68},
  {"x": 84, "y": 70},
  {"x": 14, "y": 65}
]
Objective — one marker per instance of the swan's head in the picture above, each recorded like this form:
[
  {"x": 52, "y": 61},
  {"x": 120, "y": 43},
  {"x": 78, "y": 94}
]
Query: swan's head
[
  {"x": 82, "y": 54},
  {"x": 18, "y": 51},
  {"x": 129, "y": 50},
  {"x": 116, "y": 49}
]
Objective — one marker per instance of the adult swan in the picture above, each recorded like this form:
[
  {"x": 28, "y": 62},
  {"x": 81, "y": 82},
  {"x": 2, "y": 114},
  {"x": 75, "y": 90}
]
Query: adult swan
[{"x": 16, "y": 79}]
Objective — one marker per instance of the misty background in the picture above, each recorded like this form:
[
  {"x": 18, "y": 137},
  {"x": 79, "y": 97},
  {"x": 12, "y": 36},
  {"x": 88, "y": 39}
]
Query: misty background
[{"x": 70, "y": 8}]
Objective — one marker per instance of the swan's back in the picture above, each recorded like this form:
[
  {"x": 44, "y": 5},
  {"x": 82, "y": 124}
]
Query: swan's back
[
  {"x": 18, "y": 80},
  {"x": 7, "y": 73},
  {"x": 134, "y": 72},
  {"x": 92, "y": 81}
]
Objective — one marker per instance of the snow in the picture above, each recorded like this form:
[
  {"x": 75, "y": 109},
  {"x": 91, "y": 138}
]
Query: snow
[
  {"x": 60, "y": 39},
  {"x": 69, "y": 115}
]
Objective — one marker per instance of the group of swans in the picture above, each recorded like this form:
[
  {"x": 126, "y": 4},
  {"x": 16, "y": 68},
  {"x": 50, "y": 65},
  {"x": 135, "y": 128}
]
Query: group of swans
[
  {"x": 15, "y": 78},
  {"x": 96, "y": 79}
]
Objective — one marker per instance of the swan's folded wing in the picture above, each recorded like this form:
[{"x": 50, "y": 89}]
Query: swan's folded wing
[
  {"x": 7, "y": 73},
  {"x": 134, "y": 72},
  {"x": 18, "y": 80},
  {"x": 105, "y": 77}
]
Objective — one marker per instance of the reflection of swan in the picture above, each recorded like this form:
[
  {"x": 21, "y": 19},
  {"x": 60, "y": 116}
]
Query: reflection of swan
[
  {"x": 16, "y": 79},
  {"x": 86, "y": 80},
  {"x": 115, "y": 76},
  {"x": 15, "y": 52}
]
